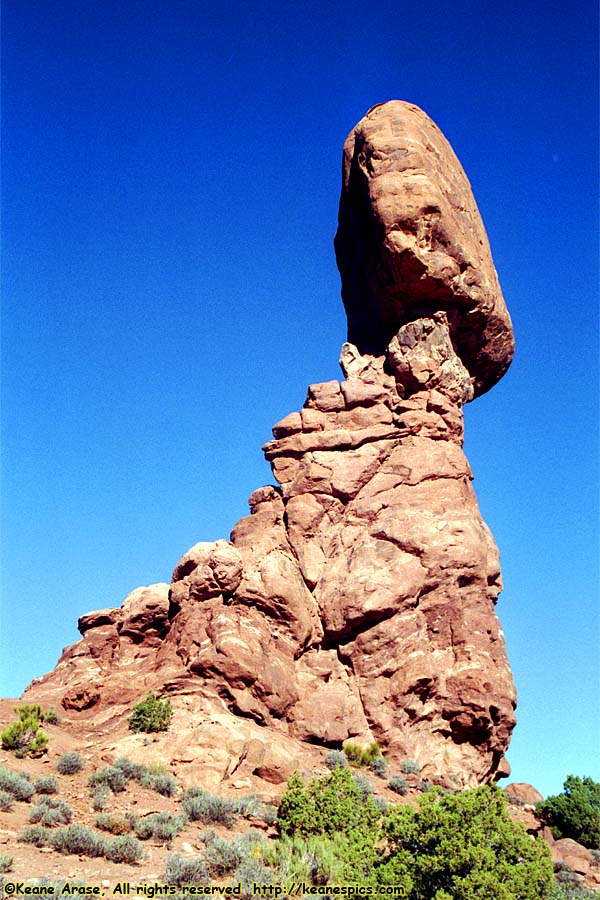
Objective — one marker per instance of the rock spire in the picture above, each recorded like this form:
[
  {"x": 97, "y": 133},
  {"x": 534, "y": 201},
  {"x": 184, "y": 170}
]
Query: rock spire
[{"x": 356, "y": 601}]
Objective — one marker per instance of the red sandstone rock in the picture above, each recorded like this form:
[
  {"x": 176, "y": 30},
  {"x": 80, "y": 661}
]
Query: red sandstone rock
[
  {"x": 97, "y": 618},
  {"x": 577, "y": 857},
  {"x": 357, "y": 598},
  {"x": 410, "y": 238},
  {"x": 523, "y": 792},
  {"x": 358, "y": 602},
  {"x": 82, "y": 699}
]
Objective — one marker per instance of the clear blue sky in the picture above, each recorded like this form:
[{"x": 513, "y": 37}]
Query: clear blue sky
[{"x": 171, "y": 179}]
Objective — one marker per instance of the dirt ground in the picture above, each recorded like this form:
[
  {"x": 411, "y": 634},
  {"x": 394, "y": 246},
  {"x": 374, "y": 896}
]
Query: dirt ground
[{"x": 32, "y": 863}]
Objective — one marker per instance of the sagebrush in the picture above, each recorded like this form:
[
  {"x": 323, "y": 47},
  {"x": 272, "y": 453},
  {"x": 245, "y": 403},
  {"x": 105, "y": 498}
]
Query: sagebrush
[{"x": 70, "y": 763}]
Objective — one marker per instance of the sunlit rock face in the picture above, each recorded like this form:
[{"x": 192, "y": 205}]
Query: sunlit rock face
[
  {"x": 356, "y": 601},
  {"x": 411, "y": 241}
]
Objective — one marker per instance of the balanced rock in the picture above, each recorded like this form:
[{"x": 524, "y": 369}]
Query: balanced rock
[
  {"x": 356, "y": 601},
  {"x": 411, "y": 240}
]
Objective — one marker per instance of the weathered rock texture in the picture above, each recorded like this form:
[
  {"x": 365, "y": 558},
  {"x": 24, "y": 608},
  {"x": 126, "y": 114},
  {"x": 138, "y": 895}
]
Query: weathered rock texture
[
  {"x": 411, "y": 239},
  {"x": 356, "y": 601}
]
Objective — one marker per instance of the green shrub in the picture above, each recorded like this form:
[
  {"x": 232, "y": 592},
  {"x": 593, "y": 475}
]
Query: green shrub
[
  {"x": 101, "y": 797},
  {"x": 399, "y": 784},
  {"x": 50, "y": 812},
  {"x": 70, "y": 763},
  {"x": 409, "y": 767},
  {"x": 575, "y": 813},
  {"x": 463, "y": 846},
  {"x": 223, "y": 857},
  {"x": 336, "y": 759},
  {"x": 131, "y": 770},
  {"x": 162, "y": 784},
  {"x": 6, "y": 863},
  {"x": 353, "y": 753},
  {"x": 79, "y": 840},
  {"x": 362, "y": 756},
  {"x": 25, "y": 736},
  {"x": 314, "y": 860},
  {"x": 200, "y": 806},
  {"x": 7, "y": 801},
  {"x": 124, "y": 849},
  {"x": 162, "y": 826},
  {"x": 364, "y": 785},
  {"x": 113, "y": 824},
  {"x": 34, "y": 834},
  {"x": 185, "y": 870},
  {"x": 454, "y": 847},
  {"x": 323, "y": 859},
  {"x": 571, "y": 892},
  {"x": 151, "y": 715},
  {"x": 16, "y": 784},
  {"x": 111, "y": 776},
  {"x": 249, "y": 873},
  {"x": 381, "y": 804},
  {"x": 46, "y": 784},
  {"x": 157, "y": 768},
  {"x": 379, "y": 766},
  {"x": 51, "y": 717},
  {"x": 334, "y": 804}
]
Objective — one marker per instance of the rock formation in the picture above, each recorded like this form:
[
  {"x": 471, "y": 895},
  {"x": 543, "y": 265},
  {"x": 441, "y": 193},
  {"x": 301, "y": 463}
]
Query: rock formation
[
  {"x": 356, "y": 601},
  {"x": 411, "y": 241}
]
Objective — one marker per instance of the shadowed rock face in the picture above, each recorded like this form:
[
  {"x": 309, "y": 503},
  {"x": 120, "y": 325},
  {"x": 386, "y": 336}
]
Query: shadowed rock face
[
  {"x": 357, "y": 598},
  {"x": 411, "y": 241}
]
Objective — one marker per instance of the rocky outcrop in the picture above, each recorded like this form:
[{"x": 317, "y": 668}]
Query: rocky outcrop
[
  {"x": 576, "y": 858},
  {"x": 526, "y": 794},
  {"x": 357, "y": 598}
]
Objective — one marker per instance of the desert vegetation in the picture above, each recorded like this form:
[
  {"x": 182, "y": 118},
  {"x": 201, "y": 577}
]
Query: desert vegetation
[
  {"x": 460, "y": 845},
  {"x": 16, "y": 784},
  {"x": 25, "y": 736},
  {"x": 575, "y": 813},
  {"x": 151, "y": 715},
  {"x": 398, "y": 784},
  {"x": 83, "y": 841},
  {"x": 70, "y": 763},
  {"x": 329, "y": 829},
  {"x": 51, "y": 811}
]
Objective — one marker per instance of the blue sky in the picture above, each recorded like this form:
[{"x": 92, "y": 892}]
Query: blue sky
[{"x": 171, "y": 174}]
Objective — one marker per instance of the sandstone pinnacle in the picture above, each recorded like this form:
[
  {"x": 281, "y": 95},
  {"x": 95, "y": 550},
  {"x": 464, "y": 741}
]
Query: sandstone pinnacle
[{"x": 356, "y": 601}]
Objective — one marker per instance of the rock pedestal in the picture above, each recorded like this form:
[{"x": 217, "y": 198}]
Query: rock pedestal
[{"x": 356, "y": 601}]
